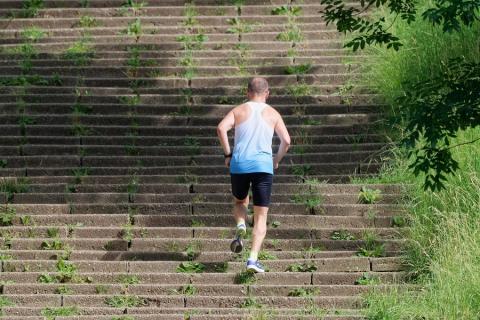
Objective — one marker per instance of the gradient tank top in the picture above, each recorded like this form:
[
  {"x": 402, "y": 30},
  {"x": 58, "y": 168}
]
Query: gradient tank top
[{"x": 252, "y": 151}]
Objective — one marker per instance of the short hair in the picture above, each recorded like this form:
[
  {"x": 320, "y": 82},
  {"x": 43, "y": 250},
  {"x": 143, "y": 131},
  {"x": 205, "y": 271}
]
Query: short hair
[{"x": 257, "y": 85}]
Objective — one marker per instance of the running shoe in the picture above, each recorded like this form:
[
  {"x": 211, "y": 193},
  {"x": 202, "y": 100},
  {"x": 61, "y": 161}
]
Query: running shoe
[{"x": 255, "y": 266}]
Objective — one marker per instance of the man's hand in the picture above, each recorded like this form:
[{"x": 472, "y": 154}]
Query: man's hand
[
  {"x": 227, "y": 162},
  {"x": 275, "y": 164}
]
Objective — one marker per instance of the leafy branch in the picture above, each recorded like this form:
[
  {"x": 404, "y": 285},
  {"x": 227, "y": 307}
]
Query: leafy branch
[{"x": 437, "y": 109}]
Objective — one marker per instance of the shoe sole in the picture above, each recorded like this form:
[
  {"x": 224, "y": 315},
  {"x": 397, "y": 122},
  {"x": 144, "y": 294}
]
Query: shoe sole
[
  {"x": 236, "y": 246},
  {"x": 255, "y": 270}
]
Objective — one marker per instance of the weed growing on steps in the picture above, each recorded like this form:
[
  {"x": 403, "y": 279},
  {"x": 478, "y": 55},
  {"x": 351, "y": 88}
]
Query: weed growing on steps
[
  {"x": 126, "y": 301},
  {"x": 342, "y": 235},
  {"x": 313, "y": 310},
  {"x": 5, "y": 302},
  {"x": 127, "y": 232},
  {"x": 369, "y": 196},
  {"x": 287, "y": 10},
  {"x": 132, "y": 7},
  {"x": 191, "y": 40},
  {"x": 55, "y": 244},
  {"x": 264, "y": 255},
  {"x": 311, "y": 122},
  {"x": 302, "y": 170},
  {"x": 190, "y": 267},
  {"x": 50, "y": 313},
  {"x": 134, "y": 29},
  {"x": 66, "y": 273},
  {"x": 53, "y": 232},
  {"x": 303, "y": 292},
  {"x": 127, "y": 280},
  {"x": 310, "y": 252},
  {"x": 3, "y": 163},
  {"x": 11, "y": 186},
  {"x": 238, "y": 26},
  {"x": 221, "y": 267},
  {"x": 79, "y": 174},
  {"x": 292, "y": 32},
  {"x": 188, "y": 290},
  {"x": 123, "y": 318},
  {"x": 300, "y": 89},
  {"x": 250, "y": 302},
  {"x": 367, "y": 279},
  {"x": 7, "y": 240},
  {"x": 7, "y": 214},
  {"x": 310, "y": 200},
  {"x": 399, "y": 221},
  {"x": 245, "y": 277},
  {"x": 33, "y": 34},
  {"x": 302, "y": 267},
  {"x": 129, "y": 100},
  {"x": 81, "y": 52},
  {"x": 299, "y": 69},
  {"x": 275, "y": 224},
  {"x": 101, "y": 289},
  {"x": 371, "y": 247},
  {"x": 190, "y": 14},
  {"x": 63, "y": 290},
  {"x": 30, "y": 8},
  {"x": 26, "y": 220},
  {"x": 5, "y": 257},
  {"x": 193, "y": 250},
  {"x": 132, "y": 187},
  {"x": 197, "y": 224},
  {"x": 87, "y": 22}
]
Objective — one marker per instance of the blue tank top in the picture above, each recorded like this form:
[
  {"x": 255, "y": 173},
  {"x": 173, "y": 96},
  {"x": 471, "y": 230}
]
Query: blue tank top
[{"x": 253, "y": 143}]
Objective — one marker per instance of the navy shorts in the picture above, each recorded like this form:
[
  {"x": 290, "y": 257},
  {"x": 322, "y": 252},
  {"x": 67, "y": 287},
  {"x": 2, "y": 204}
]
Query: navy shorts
[{"x": 261, "y": 186}]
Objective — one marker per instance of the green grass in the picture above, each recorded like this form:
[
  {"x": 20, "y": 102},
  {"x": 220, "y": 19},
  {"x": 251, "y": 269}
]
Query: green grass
[
  {"x": 52, "y": 313},
  {"x": 7, "y": 214},
  {"x": 125, "y": 301},
  {"x": 5, "y": 302},
  {"x": 442, "y": 255},
  {"x": 369, "y": 196},
  {"x": 33, "y": 34},
  {"x": 245, "y": 277},
  {"x": 303, "y": 292},
  {"x": 191, "y": 267}
]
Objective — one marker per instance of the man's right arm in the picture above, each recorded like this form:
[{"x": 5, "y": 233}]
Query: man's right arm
[{"x": 282, "y": 132}]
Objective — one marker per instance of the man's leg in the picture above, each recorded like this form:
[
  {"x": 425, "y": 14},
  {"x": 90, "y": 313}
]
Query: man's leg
[
  {"x": 240, "y": 186},
  {"x": 261, "y": 189},
  {"x": 259, "y": 230},
  {"x": 240, "y": 210}
]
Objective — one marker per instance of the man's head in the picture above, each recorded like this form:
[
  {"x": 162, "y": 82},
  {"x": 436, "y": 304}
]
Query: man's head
[{"x": 258, "y": 89}]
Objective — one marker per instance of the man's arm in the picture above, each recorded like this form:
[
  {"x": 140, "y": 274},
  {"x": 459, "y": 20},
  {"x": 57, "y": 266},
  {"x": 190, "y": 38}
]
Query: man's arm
[
  {"x": 282, "y": 132},
  {"x": 227, "y": 123}
]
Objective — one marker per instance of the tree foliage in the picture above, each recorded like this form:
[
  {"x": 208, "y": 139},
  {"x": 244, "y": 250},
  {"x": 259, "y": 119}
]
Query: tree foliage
[{"x": 435, "y": 109}]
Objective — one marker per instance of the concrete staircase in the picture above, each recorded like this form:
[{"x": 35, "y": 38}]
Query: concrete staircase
[{"x": 117, "y": 203}]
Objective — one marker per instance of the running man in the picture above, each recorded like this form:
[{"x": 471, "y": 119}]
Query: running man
[{"x": 252, "y": 162}]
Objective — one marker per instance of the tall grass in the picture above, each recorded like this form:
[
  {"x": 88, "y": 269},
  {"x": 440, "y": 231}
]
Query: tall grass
[
  {"x": 425, "y": 48},
  {"x": 443, "y": 250}
]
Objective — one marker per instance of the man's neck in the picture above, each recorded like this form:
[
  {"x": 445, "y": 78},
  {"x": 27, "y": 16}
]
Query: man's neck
[{"x": 262, "y": 100}]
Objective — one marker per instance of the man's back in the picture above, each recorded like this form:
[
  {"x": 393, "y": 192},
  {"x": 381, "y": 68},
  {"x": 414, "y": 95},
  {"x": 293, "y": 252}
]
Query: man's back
[
  {"x": 243, "y": 112},
  {"x": 253, "y": 138}
]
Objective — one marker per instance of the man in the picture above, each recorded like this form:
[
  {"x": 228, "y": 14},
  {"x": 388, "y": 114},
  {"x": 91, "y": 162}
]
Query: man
[{"x": 251, "y": 162}]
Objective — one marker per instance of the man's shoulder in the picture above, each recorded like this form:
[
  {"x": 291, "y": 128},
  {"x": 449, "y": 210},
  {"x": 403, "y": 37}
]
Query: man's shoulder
[{"x": 273, "y": 111}]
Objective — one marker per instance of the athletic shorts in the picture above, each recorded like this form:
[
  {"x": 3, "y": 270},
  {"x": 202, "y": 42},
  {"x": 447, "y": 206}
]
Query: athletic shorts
[{"x": 261, "y": 186}]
